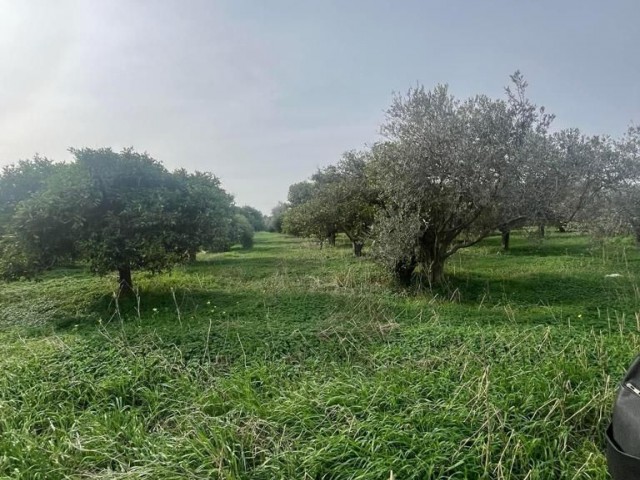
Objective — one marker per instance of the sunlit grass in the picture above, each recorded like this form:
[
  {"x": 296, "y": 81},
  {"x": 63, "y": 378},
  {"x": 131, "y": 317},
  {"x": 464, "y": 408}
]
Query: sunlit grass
[{"x": 288, "y": 361}]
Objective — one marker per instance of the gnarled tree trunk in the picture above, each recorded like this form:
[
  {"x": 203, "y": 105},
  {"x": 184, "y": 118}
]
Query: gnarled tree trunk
[
  {"x": 403, "y": 270},
  {"x": 436, "y": 271},
  {"x": 432, "y": 256}
]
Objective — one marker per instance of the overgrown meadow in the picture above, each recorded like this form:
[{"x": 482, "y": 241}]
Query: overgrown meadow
[{"x": 292, "y": 362}]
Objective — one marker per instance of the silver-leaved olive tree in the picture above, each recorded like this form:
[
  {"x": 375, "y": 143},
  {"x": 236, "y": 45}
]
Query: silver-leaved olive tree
[
  {"x": 449, "y": 174},
  {"x": 621, "y": 210}
]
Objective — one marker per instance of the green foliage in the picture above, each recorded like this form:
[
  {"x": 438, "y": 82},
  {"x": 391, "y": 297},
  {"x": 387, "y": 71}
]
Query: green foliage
[
  {"x": 15, "y": 262},
  {"x": 300, "y": 193},
  {"x": 242, "y": 231},
  {"x": 340, "y": 198},
  {"x": 274, "y": 223},
  {"x": 20, "y": 181},
  {"x": 204, "y": 212},
  {"x": 310, "y": 219},
  {"x": 286, "y": 362},
  {"x": 255, "y": 217},
  {"x": 118, "y": 211},
  {"x": 447, "y": 173},
  {"x": 42, "y": 229}
]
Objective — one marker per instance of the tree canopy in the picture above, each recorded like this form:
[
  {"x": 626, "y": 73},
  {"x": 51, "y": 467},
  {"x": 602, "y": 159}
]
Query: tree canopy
[
  {"x": 255, "y": 217},
  {"x": 118, "y": 211},
  {"x": 451, "y": 172},
  {"x": 339, "y": 198}
]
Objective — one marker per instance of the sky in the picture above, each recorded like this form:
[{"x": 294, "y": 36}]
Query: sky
[{"x": 263, "y": 93}]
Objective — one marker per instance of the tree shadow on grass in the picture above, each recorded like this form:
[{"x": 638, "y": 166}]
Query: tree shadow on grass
[
  {"x": 548, "y": 249},
  {"x": 252, "y": 268},
  {"x": 557, "y": 245},
  {"x": 535, "y": 289},
  {"x": 70, "y": 297}
]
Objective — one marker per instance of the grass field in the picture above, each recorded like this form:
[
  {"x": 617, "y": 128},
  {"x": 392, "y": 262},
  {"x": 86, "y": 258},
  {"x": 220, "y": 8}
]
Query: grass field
[{"x": 290, "y": 362}]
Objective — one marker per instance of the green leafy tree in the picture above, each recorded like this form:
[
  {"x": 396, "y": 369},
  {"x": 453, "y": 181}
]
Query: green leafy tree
[
  {"x": 119, "y": 211},
  {"x": 352, "y": 198},
  {"x": 242, "y": 231},
  {"x": 274, "y": 222},
  {"x": 339, "y": 198},
  {"x": 255, "y": 217},
  {"x": 20, "y": 181},
  {"x": 204, "y": 212},
  {"x": 308, "y": 215},
  {"x": 313, "y": 219},
  {"x": 300, "y": 193}
]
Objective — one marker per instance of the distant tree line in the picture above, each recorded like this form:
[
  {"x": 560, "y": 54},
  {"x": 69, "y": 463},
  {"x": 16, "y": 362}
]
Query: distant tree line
[
  {"x": 451, "y": 172},
  {"x": 115, "y": 211}
]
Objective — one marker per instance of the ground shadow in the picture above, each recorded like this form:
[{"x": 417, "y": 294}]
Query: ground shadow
[{"x": 533, "y": 289}]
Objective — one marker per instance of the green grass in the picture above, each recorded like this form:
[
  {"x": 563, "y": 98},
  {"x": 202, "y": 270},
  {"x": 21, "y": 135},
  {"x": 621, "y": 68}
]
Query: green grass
[{"x": 290, "y": 362}]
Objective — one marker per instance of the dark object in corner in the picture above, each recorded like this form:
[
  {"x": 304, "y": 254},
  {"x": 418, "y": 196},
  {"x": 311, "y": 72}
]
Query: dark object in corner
[{"x": 623, "y": 434}]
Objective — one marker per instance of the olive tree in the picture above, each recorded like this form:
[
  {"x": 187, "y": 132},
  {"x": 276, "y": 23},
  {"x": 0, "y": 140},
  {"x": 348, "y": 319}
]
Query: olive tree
[
  {"x": 446, "y": 172},
  {"x": 339, "y": 198},
  {"x": 583, "y": 168},
  {"x": 309, "y": 214},
  {"x": 19, "y": 183},
  {"x": 528, "y": 190},
  {"x": 312, "y": 219},
  {"x": 620, "y": 206},
  {"x": 300, "y": 193},
  {"x": 351, "y": 197}
]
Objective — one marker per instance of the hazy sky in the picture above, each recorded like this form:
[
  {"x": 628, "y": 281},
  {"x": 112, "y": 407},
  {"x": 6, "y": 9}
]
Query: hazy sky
[{"x": 264, "y": 92}]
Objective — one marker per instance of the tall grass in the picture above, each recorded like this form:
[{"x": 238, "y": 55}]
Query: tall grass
[{"x": 289, "y": 361}]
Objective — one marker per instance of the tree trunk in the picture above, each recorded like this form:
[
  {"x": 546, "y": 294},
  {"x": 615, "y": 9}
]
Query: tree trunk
[
  {"x": 403, "y": 270},
  {"x": 125, "y": 284},
  {"x": 436, "y": 271},
  {"x": 541, "y": 230},
  {"x": 432, "y": 256},
  {"x": 192, "y": 255},
  {"x": 506, "y": 236},
  {"x": 331, "y": 239},
  {"x": 357, "y": 248}
]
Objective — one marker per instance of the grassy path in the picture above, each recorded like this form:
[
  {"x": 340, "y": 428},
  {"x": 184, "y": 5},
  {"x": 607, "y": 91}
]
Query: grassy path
[{"x": 291, "y": 362}]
